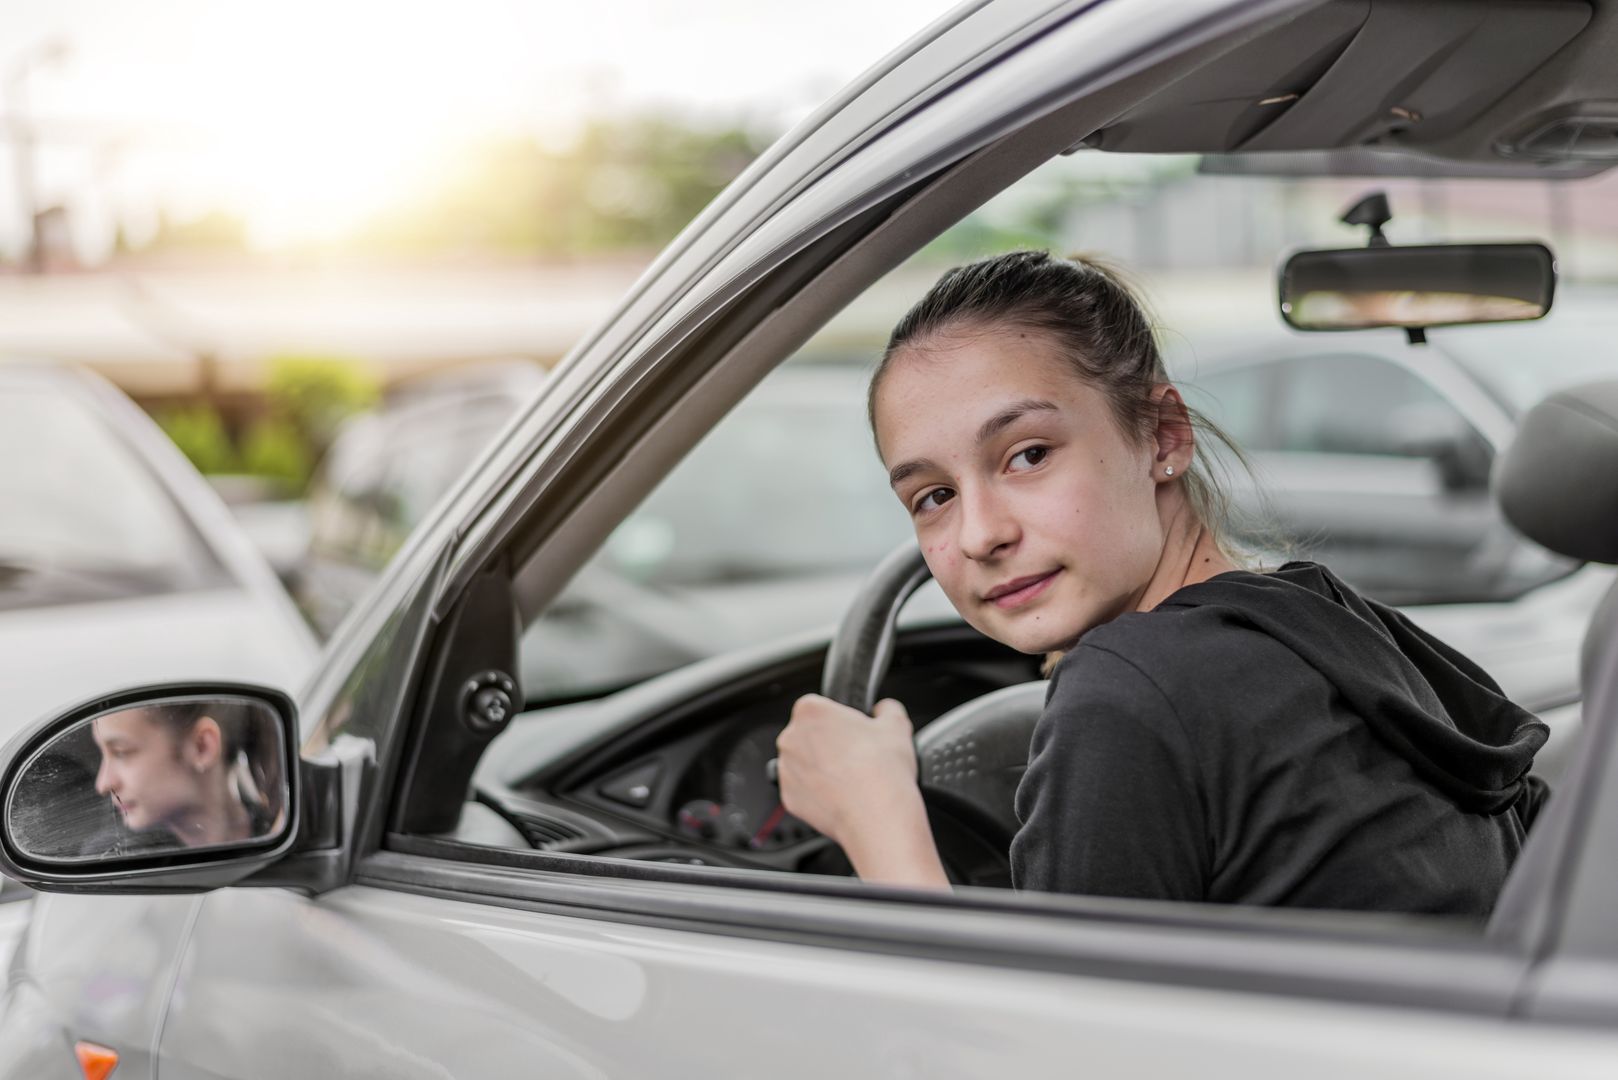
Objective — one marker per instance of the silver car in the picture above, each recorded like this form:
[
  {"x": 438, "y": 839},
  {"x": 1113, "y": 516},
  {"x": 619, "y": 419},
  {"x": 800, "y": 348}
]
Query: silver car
[{"x": 460, "y": 876}]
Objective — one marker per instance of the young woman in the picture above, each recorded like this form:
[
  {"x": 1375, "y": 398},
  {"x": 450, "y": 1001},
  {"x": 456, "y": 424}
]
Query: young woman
[
  {"x": 197, "y": 773},
  {"x": 1210, "y": 733}
]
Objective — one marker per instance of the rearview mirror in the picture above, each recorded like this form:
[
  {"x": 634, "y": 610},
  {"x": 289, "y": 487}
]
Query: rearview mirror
[
  {"x": 1417, "y": 287},
  {"x": 150, "y": 780}
]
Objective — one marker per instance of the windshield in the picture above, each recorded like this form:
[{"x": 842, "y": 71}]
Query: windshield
[
  {"x": 1520, "y": 364},
  {"x": 80, "y": 518}
]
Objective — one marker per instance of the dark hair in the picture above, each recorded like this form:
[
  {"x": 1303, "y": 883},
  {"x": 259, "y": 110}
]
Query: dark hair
[
  {"x": 1101, "y": 329},
  {"x": 248, "y": 746}
]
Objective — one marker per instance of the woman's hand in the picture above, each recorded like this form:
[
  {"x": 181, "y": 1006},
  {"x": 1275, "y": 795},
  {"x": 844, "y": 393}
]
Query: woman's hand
[{"x": 853, "y": 778}]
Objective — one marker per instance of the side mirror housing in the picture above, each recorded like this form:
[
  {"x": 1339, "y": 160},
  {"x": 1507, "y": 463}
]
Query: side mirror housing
[{"x": 180, "y": 787}]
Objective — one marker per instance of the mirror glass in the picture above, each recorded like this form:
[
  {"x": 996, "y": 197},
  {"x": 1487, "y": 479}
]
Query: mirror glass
[
  {"x": 165, "y": 776},
  {"x": 1417, "y": 287}
]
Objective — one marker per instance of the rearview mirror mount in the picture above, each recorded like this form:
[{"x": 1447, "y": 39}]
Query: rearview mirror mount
[{"x": 1413, "y": 288}]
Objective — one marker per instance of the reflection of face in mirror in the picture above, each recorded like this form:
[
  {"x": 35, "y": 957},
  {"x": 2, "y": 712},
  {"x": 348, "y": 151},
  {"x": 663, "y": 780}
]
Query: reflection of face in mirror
[
  {"x": 185, "y": 772},
  {"x": 1344, "y": 310},
  {"x": 192, "y": 768}
]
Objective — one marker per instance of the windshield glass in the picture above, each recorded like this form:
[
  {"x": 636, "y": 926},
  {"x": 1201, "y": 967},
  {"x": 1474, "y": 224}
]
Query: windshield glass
[
  {"x": 1521, "y": 364},
  {"x": 80, "y": 518}
]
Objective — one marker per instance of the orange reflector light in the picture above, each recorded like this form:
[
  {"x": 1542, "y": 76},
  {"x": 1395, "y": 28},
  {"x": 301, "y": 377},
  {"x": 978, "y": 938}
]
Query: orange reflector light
[{"x": 96, "y": 1061}]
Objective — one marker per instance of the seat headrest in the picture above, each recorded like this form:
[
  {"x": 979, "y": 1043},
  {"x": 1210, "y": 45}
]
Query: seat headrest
[{"x": 1558, "y": 482}]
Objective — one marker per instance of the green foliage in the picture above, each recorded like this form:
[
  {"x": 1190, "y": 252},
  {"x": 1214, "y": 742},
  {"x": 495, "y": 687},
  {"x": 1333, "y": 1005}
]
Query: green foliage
[
  {"x": 276, "y": 450},
  {"x": 628, "y": 183},
  {"x": 313, "y": 394},
  {"x": 307, "y": 397},
  {"x": 201, "y": 436}
]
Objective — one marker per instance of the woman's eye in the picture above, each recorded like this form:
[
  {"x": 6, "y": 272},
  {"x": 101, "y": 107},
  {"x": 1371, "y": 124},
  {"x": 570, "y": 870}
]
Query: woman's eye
[
  {"x": 1029, "y": 457},
  {"x": 933, "y": 499}
]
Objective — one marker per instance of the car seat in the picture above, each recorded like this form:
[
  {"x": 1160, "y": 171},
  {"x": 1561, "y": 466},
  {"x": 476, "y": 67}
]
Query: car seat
[{"x": 1558, "y": 484}]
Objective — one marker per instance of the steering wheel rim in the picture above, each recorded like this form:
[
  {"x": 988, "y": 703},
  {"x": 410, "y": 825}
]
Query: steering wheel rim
[
  {"x": 971, "y": 758},
  {"x": 862, "y": 647}
]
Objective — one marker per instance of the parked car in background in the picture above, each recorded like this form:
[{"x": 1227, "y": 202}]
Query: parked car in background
[
  {"x": 713, "y": 559},
  {"x": 385, "y": 469},
  {"x": 118, "y": 562}
]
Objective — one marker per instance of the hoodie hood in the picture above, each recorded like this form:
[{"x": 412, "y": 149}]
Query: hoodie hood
[{"x": 1431, "y": 704}]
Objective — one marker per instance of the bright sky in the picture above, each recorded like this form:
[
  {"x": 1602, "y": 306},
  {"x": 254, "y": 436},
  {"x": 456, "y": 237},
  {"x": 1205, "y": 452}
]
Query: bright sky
[{"x": 188, "y": 104}]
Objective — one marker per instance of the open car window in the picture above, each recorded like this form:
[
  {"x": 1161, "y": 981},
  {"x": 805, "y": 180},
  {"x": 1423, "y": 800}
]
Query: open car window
[{"x": 759, "y": 537}]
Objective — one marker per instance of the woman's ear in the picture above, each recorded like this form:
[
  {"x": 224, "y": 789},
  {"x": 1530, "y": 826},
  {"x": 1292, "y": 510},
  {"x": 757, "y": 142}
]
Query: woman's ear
[
  {"x": 1173, "y": 438},
  {"x": 203, "y": 744}
]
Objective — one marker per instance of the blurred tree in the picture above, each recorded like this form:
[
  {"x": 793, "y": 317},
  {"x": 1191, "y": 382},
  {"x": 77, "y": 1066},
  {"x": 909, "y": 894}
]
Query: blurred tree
[
  {"x": 624, "y": 183},
  {"x": 274, "y": 449},
  {"x": 200, "y": 435},
  {"x": 313, "y": 394}
]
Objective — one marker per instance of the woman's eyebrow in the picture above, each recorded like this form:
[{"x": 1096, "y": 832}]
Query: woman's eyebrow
[
  {"x": 991, "y": 427},
  {"x": 1003, "y": 419},
  {"x": 900, "y": 473}
]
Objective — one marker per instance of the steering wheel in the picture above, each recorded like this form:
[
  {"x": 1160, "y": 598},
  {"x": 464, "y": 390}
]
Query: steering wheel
[{"x": 972, "y": 757}]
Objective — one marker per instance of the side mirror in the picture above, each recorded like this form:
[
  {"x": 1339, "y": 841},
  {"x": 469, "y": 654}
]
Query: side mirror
[
  {"x": 1417, "y": 287},
  {"x": 168, "y": 788}
]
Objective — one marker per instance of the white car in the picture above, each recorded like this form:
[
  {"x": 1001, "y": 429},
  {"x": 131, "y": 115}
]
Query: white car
[
  {"x": 118, "y": 563},
  {"x": 605, "y": 886}
]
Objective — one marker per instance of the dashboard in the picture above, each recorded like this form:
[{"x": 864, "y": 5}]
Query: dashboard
[{"x": 674, "y": 769}]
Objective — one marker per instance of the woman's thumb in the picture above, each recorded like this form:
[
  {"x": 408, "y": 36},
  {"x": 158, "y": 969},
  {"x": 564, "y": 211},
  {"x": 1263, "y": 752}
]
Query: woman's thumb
[{"x": 889, "y": 709}]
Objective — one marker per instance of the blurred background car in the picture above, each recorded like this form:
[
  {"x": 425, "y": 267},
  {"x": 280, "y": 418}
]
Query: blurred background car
[
  {"x": 715, "y": 559},
  {"x": 385, "y": 469},
  {"x": 118, "y": 563}
]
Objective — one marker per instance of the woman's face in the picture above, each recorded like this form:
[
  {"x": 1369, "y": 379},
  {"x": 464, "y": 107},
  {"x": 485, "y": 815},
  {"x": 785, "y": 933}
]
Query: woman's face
[
  {"x": 151, "y": 774},
  {"x": 1036, "y": 515}
]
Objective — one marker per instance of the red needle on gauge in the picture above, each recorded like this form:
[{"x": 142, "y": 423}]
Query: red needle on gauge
[{"x": 768, "y": 827}]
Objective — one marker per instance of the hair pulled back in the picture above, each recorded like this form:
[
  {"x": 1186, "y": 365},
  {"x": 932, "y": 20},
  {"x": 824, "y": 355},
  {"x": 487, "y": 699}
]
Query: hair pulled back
[
  {"x": 1101, "y": 330},
  {"x": 249, "y": 747}
]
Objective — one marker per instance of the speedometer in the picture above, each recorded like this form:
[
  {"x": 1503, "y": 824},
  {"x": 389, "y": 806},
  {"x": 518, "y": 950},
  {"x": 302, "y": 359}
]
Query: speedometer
[{"x": 753, "y": 814}]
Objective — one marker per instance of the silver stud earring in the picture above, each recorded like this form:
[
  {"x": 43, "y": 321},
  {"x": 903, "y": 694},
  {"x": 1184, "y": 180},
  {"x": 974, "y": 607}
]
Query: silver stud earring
[{"x": 1168, "y": 470}]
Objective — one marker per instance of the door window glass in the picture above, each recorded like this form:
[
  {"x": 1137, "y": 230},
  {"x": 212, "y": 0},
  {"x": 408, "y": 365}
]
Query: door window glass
[{"x": 764, "y": 529}]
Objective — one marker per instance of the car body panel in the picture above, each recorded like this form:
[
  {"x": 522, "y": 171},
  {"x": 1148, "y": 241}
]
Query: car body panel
[
  {"x": 378, "y": 983},
  {"x": 96, "y": 968},
  {"x": 207, "y": 634}
]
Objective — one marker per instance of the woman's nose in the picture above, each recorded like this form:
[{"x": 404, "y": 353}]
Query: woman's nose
[
  {"x": 104, "y": 780},
  {"x": 986, "y": 526}
]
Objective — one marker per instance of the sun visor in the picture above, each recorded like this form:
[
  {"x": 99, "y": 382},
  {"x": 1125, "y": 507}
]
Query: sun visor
[{"x": 1353, "y": 72}]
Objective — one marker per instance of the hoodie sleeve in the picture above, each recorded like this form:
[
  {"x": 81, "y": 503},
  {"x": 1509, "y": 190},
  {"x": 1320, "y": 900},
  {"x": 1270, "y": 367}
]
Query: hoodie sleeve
[{"x": 1111, "y": 804}]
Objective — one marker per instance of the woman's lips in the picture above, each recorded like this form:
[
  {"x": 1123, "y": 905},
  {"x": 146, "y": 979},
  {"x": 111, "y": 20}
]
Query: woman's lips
[{"x": 1022, "y": 591}]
